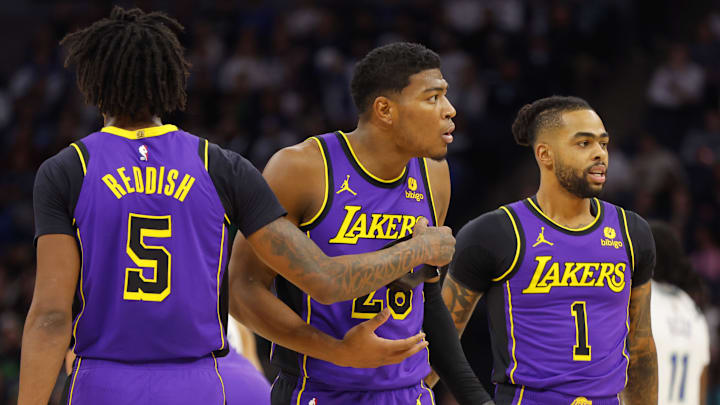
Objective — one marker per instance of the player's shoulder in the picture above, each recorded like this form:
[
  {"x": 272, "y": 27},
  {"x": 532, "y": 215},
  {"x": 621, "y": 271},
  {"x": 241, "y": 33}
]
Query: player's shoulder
[
  {"x": 487, "y": 227},
  {"x": 66, "y": 162},
  {"x": 298, "y": 161}
]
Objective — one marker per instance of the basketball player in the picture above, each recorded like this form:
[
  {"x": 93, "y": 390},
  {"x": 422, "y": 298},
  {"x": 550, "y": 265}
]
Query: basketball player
[
  {"x": 353, "y": 193},
  {"x": 565, "y": 274},
  {"x": 679, "y": 327},
  {"x": 133, "y": 218}
]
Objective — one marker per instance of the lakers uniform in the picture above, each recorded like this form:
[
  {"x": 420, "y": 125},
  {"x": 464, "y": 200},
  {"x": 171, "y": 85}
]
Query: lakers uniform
[
  {"x": 150, "y": 210},
  {"x": 557, "y": 299},
  {"x": 360, "y": 213}
]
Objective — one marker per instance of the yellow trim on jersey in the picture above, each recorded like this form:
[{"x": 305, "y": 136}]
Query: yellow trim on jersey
[
  {"x": 432, "y": 199},
  {"x": 82, "y": 295},
  {"x": 220, "y": 261},
  {"x": 222, "y": 384},
  {"x": 627, "y": 233},
  {"x": 588, "y": 226},
  {"x": 305, "y": 376},
  {"x": 82, "y": 159},
  {"x": 352, "y": 152},
  {"x": 517, "y": 248},
  {"x": 140, "y": 133},
  {"x": 627, "y": 327},
  {"x": 227, "y": 219},
  {"x": 72, "y": 387},
  {"x": 327, "y": 185},
  {"x": 432, "y": 398},
  {"x": 512, "y": 334},
  {"x": 206, "y": 155},
  {"x": 522, "y": 391},
  {"x": 627, "y": 313}
]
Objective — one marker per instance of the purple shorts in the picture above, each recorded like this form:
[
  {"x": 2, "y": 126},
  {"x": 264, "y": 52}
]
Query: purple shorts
[
  {"x": 114, "y": 383},
  {"x": 243, "y": 382},
  {"x": 290, "y": 390},
  {"x": 506, "y": 394}
]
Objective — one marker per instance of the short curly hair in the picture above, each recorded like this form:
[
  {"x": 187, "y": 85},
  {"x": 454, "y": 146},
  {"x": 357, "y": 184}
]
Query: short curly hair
[
  {"x": 541, "y": 114},
  {"x": 387, "y": 69}
]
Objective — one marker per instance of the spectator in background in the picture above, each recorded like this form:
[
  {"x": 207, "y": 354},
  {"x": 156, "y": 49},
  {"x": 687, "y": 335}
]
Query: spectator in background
[
  {"x": 678, "y": 324},
  {"x": 674, "y": 93}
]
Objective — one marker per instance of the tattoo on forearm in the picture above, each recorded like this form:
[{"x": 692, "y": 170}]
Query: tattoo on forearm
[
  {"x": 354, "y": 275},
  {"x": 460, "y": 302},
  {"x": 642, "y": 372}
]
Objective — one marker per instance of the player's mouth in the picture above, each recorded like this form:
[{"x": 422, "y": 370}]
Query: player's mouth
[
  {"x": 597, "y": 173},
  {"x": 447, "y": 135}
]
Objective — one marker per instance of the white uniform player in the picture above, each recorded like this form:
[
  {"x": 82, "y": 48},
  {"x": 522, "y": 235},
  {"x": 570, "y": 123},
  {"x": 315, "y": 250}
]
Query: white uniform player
[{"x": 683, "y": 345}]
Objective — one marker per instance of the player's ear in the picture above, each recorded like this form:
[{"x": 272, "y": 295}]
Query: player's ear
[
  {"x": 383, "y": 109},
  {"x": 543, "y": 154}
]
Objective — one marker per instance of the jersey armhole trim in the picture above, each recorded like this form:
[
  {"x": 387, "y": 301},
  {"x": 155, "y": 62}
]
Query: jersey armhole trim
[
  {"x": 327, "y": 197},
  {"x": 518, "y": 245},
  {"x": 629, "y": 240},
  {"x": 426, "y": 178},
  {"x": 82, "y": 154},
  {"x": 203, "y": 148}
]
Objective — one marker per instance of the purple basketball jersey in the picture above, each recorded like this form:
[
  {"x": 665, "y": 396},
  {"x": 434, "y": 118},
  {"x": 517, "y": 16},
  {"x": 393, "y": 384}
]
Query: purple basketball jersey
[
  {"x": 362, "y": 214},
  {"x": 566, "y": 303},
  {"x": 146, "y": 209}
]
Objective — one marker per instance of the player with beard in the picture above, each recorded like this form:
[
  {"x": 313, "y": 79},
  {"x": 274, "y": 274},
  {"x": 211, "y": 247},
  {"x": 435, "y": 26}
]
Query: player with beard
[{"x": 565, "y": 274}]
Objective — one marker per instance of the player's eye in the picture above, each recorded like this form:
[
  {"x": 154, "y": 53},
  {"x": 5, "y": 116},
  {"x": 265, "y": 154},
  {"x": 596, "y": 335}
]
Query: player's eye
[
  {"x": 583, "y": 143},
  {"x": 604, "y": 145},
  {"x": 433, "y": 98}
]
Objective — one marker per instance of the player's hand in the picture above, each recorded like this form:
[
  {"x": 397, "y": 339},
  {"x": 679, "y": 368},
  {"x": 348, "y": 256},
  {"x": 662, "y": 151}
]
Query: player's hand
[
  {"x": 439, "y": 242},
  {"x": 362, "y": 348}
]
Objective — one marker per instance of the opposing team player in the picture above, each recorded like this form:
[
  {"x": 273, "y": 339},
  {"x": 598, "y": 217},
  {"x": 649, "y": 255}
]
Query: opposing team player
[
  {"x": 679, "y": 326},
  {"x": 353, "y": 193},
  {"x": 133, "y": 220},
  {"x": 565, "y": 274}
]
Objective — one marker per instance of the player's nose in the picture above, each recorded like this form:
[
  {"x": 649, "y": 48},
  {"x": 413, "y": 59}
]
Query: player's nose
[{"x": 449, "y": 111}]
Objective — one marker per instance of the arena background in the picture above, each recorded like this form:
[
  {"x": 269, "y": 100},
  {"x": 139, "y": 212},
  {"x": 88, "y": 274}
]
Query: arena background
[{"x": 267, "y": 74}]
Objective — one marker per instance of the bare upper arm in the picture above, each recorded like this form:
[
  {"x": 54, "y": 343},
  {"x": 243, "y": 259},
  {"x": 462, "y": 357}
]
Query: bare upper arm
[
  {"x": 296, "y": 175},
  {"x": 58, "y": 270}
]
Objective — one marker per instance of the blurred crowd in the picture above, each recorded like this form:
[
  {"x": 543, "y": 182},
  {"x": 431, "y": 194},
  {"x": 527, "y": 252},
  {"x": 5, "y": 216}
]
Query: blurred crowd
[{"x": 267, "y": 74}]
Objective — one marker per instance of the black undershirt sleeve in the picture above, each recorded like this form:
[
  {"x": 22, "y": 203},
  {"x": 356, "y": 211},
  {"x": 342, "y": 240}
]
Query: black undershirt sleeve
[
  {"x": 643, "y": 247},
  {"x": 485, "y": 248},
  {"x": 247, "y": 198},
  {"x": 446, "y": 353},
  {"x": 55, "y": 193}
]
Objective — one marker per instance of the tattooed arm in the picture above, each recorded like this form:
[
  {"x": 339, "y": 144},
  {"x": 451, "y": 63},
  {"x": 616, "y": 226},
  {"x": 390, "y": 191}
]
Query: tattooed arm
[
  {"x": 460, "y": 301},
  {"x": 642, "y": 383},
  {"x": 293, "y": 174},
  {"x": 283, "y": 247}
]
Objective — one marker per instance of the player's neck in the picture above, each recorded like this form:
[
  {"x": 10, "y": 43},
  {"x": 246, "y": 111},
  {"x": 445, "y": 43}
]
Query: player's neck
[
  {"x": 133, "y": 123},
  {"x": 562, "y": 206},
  {"x": 377, "y": 154}
]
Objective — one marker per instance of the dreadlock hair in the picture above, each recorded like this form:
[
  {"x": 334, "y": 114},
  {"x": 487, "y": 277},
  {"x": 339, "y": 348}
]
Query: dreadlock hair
[
  {"x": 387, "y": 69},
  {"x": 130, "y": 63},
  {"x": 541, "y": 114}
]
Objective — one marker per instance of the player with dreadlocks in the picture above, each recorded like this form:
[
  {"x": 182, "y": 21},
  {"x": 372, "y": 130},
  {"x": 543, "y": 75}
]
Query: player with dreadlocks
[{"x": 132, "y": 221}]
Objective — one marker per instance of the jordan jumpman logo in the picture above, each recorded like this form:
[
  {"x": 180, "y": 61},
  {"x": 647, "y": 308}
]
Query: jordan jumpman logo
[
  {"x": 346, "y": 187},
  {"x": 541, "y": 238}
]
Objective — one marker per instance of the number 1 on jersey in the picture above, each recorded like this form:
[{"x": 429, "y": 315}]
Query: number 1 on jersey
[
  {"x": 581, "y": 350},
  {"x": 137, "y": 287}
]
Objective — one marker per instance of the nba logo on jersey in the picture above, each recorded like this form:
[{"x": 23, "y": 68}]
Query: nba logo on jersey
[
  {"x": 143, "y": 153},
  {"x": 312, "y": 401}
]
